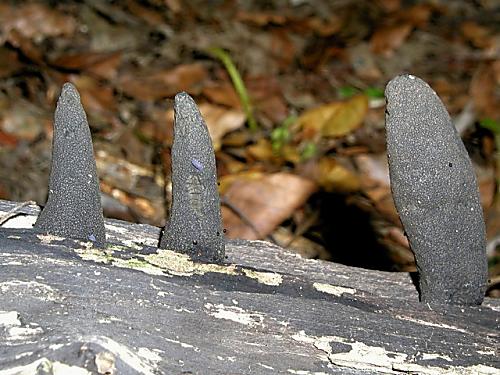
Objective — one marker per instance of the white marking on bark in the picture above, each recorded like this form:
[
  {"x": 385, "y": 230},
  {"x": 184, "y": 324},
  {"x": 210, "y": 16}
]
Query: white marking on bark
[
  {"x": 123, "y": 352},
  {"x": 9, "y": 319},
  {"x": 379, "y": 360},
  {"x": 182, "y": 344},
  {"x": 22, "y": 333},
  {"x": 48, "y": 238},
  {"x": 20, "y": 221},
  {"x": 430, "y": 324},
  {"x": 235, "y": 314},
  {"x": 55, "y": 368},
  {"x": 32, "y": 288},
  {"x": 268, "y": 278},
  {"x": 333, "y": 289},
  {"x": 149, "y": 354}
]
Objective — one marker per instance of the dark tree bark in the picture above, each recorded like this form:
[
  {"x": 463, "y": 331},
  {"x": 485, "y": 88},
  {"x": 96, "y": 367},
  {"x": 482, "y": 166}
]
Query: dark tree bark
[{"x": 134, "y": 309}]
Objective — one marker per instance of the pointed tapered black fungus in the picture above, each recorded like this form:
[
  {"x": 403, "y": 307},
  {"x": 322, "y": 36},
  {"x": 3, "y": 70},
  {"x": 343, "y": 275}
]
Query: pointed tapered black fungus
[
  {"x": 436, "y": 194},
  {"x": 195, "y": 224},
  {"x": 73, "y": 206}
]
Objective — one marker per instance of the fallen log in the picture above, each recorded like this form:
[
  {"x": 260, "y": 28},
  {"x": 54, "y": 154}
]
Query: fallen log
[{"x": 131, "y": 308}]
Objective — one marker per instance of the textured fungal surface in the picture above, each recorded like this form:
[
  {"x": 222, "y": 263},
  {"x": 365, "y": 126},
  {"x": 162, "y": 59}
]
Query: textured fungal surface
[
  {"x": 436, "y": 194},
  {"x": 73, "y": 206},
  {"x": 195, "y": 224}
]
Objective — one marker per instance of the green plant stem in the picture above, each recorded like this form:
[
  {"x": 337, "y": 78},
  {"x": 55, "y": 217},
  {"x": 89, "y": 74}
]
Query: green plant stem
[{"x": 238, "y": 84}]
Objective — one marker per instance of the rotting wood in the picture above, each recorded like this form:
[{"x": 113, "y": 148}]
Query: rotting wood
[{"x": 128, "y": 310}]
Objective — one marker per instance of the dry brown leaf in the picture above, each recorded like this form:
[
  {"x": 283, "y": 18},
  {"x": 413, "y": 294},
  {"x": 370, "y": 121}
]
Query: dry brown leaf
[
  {"x": 265, "y": 202},
  {"x": 158, "y": 123},
  {"x": 363, "y": 62},
  {"x": 348, "y": 117},
  {"x": 7, "y": 139},
  {"x": 335, "y": 119},
  {"x": 221, "y": 121},
  {"x": 26, "y": 46},
  {"x": 389, "y": 38},
  {"x": 23, "y": 120},
  {"x": 305, "y": 247},
  {"x": 495, "y": 65},
  {"x": 228, "y": 165},
  {"x": 492, "y": 216},
  {"x": 268, "y": 99},
  {"x": 152, "y": 17},
  {"x": 487, "y": 184},
  {"x": 418, "y": 15},
  {"x": 291, "y": 153},
  {"x": 95, "y": 96},
  {"x": 35, "y": 20},
  {"x": 9, "y": 62},
  {"x": 482, "y": 89},
  {"x": 237, "y": 139},
  {"x": 149, "y": 211},
  {"x": 375, "y": 184},
  {"x": 389, "y": 5},
  {"x": 324, "y": 28},
  {"x": 261, "y": 18},
  {"x": 135, "y": 186},
  {"x": 154, "y": 85},
  {"x": 333, "y": 176},
  {"x": 226, "y": 181},
  {"x": 121, "y": 173},
  {"x": 222, "y": 93},
  {"x": 282, "y": 48},
  {"x": 273, "y": 109},
  {"x": 101, "y": 64},
  {"x": 174, "y": 5},
  {"x": 262, "y": 150},
  {"x": 478, "y": 35}
]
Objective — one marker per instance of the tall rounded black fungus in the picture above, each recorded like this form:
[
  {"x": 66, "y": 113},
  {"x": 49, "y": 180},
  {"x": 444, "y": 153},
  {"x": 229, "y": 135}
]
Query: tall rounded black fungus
[
  {"x": 436, "y": 194},
  {"x": 73, "y": 206},
  {"x": 195, "y": 223}
]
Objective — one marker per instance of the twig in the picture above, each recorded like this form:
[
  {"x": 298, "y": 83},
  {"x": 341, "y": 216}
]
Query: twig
[
  {"x": 238, "y": 84},
  {"x": 466, "y": 118},
  {"x": 492, "y": 245}
]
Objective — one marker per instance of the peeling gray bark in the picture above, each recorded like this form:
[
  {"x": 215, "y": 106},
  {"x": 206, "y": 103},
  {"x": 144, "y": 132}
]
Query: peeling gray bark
[{"x": 134, "y": 309}]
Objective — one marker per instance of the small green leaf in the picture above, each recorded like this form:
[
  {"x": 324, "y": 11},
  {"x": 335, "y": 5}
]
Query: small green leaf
[
  {"x": 281, "y": 135},
  {"x": 346, "y": 92},
  {"x": 489, "y": 123},
  {"x": 308, "y": 151},
  {"x": 374, "y": 92}
]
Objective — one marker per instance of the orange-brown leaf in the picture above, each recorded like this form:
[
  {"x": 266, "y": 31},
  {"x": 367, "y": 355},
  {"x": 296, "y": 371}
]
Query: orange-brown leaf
[
  {"x": 388, "y": 38},
  {"x": 220, "y": 121},
  {"x": 333, "y": 176},
  {"x": 265, "y": 202},
  {"x": 154, "y": 85}
]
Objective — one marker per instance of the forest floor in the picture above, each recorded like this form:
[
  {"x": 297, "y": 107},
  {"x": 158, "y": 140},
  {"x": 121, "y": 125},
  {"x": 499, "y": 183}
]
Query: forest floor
[{"x": 292, "y": 93}]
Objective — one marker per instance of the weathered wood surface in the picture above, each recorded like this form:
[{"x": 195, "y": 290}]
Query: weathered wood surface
[{"x": 266, "y": 312}]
